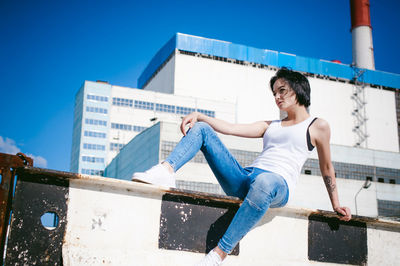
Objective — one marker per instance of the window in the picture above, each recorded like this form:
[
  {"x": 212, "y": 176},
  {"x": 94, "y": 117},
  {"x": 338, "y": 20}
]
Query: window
[
  {"x": 91, "y": 159},
  {"x": 200, "y": 186},
  {"x": 95, "y": 122},
  {"x": 98, "y": 98},
  {"x": 165, "y": 108},
  {"x": 116, "y": 146},
  {"x": 144, "y": 105},
  {"x": 96, "y": 110},
  {"x": 206, "y": 112},
  {"x": 90, "y": 146},
  {"x": 307, "y": 172},
  {"x": 243, "y": 157},
  {"x": 381, "y": 180},
  {"x": 92, "y": 172},
  {"x": 392, "y": 181},
  {"x": 95, "y": 134},
  {"x": 184, "y": 110},
  {"x": 127, "y": 127},
  {"x": 138, "y": 128},
  {"x": 389, "y": 209},
  {"x": 122, "y": 102},
  {"x": 121, "y": 126}
]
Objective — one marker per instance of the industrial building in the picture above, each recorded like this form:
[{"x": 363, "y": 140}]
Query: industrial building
[
  {"x": 230, "y": 81},
  {"x": 119, "y": 131},
  {"x": 107, "y": 117}
]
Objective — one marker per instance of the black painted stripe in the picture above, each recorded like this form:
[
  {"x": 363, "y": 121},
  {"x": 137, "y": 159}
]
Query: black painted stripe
[
  {"x": 193, "y": 224},
  {"x": 29, "y": 242},
  {"x": 332, "y": 240}
]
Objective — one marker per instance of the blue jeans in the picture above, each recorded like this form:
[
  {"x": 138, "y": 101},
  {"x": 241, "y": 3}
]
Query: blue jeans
[{"x": 259, "y": 189}]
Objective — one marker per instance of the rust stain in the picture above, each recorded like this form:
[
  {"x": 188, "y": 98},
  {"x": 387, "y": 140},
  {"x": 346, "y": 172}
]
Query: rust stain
[
  {"x": 388, "y": 224},
  {"x": 8, "y": 165},
  {"x": 46, "y": 174}
]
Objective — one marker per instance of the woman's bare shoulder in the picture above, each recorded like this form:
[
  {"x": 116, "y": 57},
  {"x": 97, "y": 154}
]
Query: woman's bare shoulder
[
  {"x": 320, "y": 131},
  {"x": 321, "y": 124}
]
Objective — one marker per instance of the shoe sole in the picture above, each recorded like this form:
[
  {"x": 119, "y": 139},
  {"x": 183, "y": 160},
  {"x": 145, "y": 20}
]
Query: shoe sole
[
  {"x": 144, "y": 182},
  {"x": 140, "y": 181}
]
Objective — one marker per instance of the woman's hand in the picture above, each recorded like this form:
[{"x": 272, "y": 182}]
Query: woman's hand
[
  {"x": 190, "y": 120},
  {"x": 344, "y": 213}
]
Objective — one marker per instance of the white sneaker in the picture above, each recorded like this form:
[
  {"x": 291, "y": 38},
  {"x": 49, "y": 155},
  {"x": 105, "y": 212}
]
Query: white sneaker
[
  {"x": 212, "y": 259},
  {"x": 157, "y": 175}
]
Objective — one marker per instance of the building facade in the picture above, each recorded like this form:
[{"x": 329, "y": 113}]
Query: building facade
[
  {"x": 231, "y": 82},
  {"x": 106, "y": 117}
]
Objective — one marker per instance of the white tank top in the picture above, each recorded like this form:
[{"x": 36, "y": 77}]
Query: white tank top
[{"x": 285, "y": 150}]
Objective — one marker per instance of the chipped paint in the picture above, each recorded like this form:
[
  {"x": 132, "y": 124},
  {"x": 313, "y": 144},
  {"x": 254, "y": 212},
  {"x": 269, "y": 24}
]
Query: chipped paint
[
  {"x": 8, "y": 165},
  {"x": 115, "y": 222}
]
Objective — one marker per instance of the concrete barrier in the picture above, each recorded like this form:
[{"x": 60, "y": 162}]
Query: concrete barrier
[{"x": 104, "y": 221}]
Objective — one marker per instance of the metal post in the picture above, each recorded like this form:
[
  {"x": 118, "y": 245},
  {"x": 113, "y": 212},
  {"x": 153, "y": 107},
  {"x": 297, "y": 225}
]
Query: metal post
[{"x": 8, "y": 165}]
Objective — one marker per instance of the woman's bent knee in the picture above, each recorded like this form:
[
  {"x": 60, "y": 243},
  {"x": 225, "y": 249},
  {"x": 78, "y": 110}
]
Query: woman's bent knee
[
  {"x": 201, "y": 127},
  {"x": 273, "y": 187}
]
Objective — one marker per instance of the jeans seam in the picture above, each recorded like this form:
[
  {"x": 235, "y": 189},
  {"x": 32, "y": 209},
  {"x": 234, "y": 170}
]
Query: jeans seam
[
  {"x": 252, "y": 204},
  {"x": 187, "y": 147},
  {"x": 221, "y": 245}
]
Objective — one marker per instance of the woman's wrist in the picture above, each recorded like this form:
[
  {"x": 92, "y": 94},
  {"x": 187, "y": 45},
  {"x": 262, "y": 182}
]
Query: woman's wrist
[
  {"x": 336, "y": 206},
  {"x": 200, "y": 116}
]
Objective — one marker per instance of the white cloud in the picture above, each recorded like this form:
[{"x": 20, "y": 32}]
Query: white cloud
[
  {"x": 38, "y": 161},
  {"x": 9, "y": 146}
]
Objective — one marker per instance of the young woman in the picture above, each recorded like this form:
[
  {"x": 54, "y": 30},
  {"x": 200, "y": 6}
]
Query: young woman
[{"x": 270, "y": 180}]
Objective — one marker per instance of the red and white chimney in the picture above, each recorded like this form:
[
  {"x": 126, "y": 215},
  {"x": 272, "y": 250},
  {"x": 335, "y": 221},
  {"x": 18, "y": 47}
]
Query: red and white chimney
[{"x": 361, "y": 31}]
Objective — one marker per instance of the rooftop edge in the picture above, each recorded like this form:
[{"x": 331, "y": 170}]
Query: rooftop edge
[{"x": 201, "y": 45}]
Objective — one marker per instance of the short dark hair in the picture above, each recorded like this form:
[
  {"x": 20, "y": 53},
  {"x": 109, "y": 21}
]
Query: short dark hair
[{"x": 297, "y": 82}]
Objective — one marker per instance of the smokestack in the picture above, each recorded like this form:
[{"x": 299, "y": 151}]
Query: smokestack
[{"x": 361, "y": 31}]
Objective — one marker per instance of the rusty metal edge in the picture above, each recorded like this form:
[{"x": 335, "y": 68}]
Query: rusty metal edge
[
  {"x": 8, "y": 166},
  {"x": 111, "y": 181},
  {"x": 370, "y": 221},
  {"x": 132, "y": 186}
]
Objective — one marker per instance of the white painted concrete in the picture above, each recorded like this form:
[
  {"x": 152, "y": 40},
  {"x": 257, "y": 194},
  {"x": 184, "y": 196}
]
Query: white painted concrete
[
  {"x": 244, "y": 86},
  {"x": 382, "y": 118},
  {"x": 114, "y": 222},
  {"x": 380, "y": 242},
  {"x": 331, "y": 101},
  {"x": 109, "y": 224}
]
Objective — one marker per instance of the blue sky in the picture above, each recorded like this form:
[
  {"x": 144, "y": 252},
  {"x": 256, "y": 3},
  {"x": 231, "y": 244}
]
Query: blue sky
[{"x": 49, "y": 48}]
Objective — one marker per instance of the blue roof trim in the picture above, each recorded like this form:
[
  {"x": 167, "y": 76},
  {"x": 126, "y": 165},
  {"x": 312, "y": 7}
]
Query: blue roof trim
[
  {"x": 382, "y": 78},
  {"x": 157, "y": 61},
  {"x": 266, "y": 57}
]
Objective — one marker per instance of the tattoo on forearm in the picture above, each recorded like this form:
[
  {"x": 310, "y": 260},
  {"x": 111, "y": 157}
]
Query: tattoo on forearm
[{"x": 329, "y": 184}]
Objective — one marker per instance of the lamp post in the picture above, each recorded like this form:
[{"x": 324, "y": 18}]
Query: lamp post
[{"x": 366, "y": 185}]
